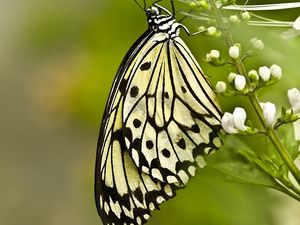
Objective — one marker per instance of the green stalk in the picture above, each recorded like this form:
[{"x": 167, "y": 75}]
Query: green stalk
[{"x": 271, "y": 133}]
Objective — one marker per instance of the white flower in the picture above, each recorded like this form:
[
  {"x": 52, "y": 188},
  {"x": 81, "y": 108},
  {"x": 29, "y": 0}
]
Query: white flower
[
  {"x": 227, "y": 123},
  {"x": 294, "y": 99},
  {"x": 246, "y": 16},
  {"x": 231, "y": 77},
  {"x": 269, "y": 112},
  {"x": 239, "y": 82},
  {"x": 208, "y": 57},
  {"x": 239, "y": 118},
  {"x": 296, "y": 24},
  {"x": 214, "y": 54},
  {"x": 264, "y": 73},
  {"x": 234, "y": 122},
  {"x": 276, "y": 71},
  {"x": 253, "y": 75},
  {"x": 234, "y": 52},
  {"x": 257, "y": 44},
  {"x": 234, "y": 19},
  {"x": 220, "y": 87},
  {"x": 212, "y": 31}
]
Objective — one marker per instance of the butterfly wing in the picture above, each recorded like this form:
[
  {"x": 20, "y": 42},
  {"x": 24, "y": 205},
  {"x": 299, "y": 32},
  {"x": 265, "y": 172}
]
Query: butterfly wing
[
  {"x": 171, "y": 116},
  {"x": 124, "y": 194},
  {"x": 161, "y": 117}
]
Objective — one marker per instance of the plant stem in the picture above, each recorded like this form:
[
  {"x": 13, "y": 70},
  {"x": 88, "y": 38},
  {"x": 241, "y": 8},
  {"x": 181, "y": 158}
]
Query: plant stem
[{"x": 271, "y": 133}]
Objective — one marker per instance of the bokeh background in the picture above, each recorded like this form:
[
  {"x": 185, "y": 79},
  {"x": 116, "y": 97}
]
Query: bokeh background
[{"x": 57, "y": 62}]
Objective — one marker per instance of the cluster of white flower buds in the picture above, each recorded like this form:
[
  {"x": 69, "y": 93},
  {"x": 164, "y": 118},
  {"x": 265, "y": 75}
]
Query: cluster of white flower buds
[
  {"x": 234, "y": 123},
  {"x": 243, "y": 17},
  {"x": 263, "y": 77}
]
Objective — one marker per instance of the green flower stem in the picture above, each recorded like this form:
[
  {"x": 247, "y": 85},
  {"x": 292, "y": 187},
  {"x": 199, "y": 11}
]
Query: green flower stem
[{"x": 271, "y": 133}]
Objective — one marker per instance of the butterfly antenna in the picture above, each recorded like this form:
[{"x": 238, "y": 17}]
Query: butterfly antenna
[
  {"x": 173, "y": 8},
  {"x": 142, "y": 8}
]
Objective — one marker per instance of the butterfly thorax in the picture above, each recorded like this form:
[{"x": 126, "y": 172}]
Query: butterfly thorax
[{"x": 160, "y": 23}]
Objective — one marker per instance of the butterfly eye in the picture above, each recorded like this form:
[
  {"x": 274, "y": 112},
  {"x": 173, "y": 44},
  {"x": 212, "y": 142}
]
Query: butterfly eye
[{"x": 152, "y": 12}]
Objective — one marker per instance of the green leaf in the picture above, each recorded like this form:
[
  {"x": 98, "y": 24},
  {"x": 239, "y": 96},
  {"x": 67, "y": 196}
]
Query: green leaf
[
  {"x": 240, "y": 167},
  {"x": 286, "y": 134}
]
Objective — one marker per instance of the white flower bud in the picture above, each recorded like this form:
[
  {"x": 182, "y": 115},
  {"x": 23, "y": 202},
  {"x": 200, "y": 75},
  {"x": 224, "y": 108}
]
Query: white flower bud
[
  {"x": 253, "y": 75},
  {"x": 201, "y": 28},
  {"x": 227, "y": 123},
  {"x": 269, "y": 112},
  {"x": 231, "y": 77},
  {"x": 234, "y": 52},
  {"x": 211, "y": 31},
  {"x": 208, "y": 57},
  {"x": 214, "y": 54},
  {"x": 264, "y": 73},
  {"x": 294, "y": 99},
  {"x": 296, "y": 24},
  {"x": 220, "y": 87},
  {"x": 257, "y": 44},
  {"x": 234, "y": 19},
  {"x": 239, "y": 82},
  {"x": 276, "y": 71},
  {"x": 239, "y": 118},
  {"x": 246, "y": 16}
]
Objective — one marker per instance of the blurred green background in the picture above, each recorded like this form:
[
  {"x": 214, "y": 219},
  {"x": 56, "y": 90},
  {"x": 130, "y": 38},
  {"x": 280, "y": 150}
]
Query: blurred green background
[{"x": 57, "y": 63}]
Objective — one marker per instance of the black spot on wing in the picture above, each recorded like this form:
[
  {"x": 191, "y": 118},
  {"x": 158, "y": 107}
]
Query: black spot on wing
[
  {"x": 195, "y": 128},
  {"x": 134, "y": 91},
  {"x": 166, "y": 153},
  {"x": 137, "y": 123},
  {"x": 145, "y": 66},
  {"x": 149, "y": 144},
  {"x": 181, "y": 143},
  {"x": 166, "y": 95}
]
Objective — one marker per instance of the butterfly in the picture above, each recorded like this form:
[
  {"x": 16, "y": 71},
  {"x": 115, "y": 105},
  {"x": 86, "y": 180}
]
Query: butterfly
[{"x": 161, "y": 118}]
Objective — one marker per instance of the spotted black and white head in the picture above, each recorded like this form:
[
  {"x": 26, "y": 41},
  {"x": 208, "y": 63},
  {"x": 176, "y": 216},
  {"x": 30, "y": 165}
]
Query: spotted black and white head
[{"x": 161, "y": 20}]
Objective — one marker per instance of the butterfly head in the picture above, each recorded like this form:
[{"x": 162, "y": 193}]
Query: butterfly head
[
  {"x": 161, "y": 20},
  {"x": 152, "y": 12}
]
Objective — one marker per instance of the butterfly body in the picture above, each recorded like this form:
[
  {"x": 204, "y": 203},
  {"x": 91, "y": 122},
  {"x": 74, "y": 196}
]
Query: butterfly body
[{"x": 161, "y": 118}]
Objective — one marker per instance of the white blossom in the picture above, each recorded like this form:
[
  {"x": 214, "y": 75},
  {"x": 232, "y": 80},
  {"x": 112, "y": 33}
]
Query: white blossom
[
  {"x": 211, "y": 30},
  {"x": 294, "y": 99},
  {"x": 246, "y": 16},
  {"x": 227, "y": 123},
  {"x": 214, "y": 54},
  {"x": 276, "y": 71},
  {"x": 269, "y": 112},
  {"x": 231, "y": 77},
  {"x": 253, "y": 75},
  {"x": 234, "y": 52},
  {"x": 257, "y": 44},
  {"x": 239, "y": 82},
  {"x": 220, "y": 87},
  {"x": 264, "y": 73},
  {"x": 234, "y": 122},
  {"x": 239, "y": 118},
  {"x": 234, "y": 19}
]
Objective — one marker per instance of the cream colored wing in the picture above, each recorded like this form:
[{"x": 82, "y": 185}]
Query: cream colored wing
[{"x": 171, "y": 115}]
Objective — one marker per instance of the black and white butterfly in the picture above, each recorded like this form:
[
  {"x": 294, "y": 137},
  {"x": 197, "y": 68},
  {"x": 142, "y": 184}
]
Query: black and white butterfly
[{"x": 161, "y": 117}]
